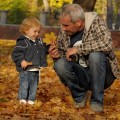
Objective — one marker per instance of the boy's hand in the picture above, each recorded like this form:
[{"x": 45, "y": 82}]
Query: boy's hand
[{"x": 24, "y": 64}]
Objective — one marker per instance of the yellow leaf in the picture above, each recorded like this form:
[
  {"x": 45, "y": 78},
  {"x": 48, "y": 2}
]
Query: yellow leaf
[
  {"x": 2, "y": 87},
  {"x": 49, "y": 38}
]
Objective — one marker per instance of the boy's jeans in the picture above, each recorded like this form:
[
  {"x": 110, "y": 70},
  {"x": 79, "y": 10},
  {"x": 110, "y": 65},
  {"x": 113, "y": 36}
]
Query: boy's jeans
[
  {"x": 96, "y": 77},
  {"x": 28, "y": 85}
]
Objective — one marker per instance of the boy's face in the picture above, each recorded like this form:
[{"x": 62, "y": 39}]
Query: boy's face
[{"x": 33, "y": 32}]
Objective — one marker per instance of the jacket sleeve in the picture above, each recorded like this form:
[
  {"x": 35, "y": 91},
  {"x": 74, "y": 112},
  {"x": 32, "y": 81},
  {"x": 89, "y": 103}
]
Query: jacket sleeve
[
  {"x": 18, "y": 52},
  {"x": 46, "y": 47}
]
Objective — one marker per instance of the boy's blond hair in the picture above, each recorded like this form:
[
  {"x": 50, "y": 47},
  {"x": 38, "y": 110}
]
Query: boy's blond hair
[{"x": 28, "y": 23}]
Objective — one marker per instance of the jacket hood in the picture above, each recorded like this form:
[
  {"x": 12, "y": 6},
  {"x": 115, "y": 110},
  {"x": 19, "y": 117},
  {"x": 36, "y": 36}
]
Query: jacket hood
[{"x": 89, "y": 18}]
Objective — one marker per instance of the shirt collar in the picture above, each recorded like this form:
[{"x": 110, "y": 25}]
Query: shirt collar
[{"x": 29, "y": 38}]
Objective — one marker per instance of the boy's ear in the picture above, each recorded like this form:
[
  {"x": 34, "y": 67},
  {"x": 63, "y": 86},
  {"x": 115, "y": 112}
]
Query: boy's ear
[{"x": 26, "y": 31}]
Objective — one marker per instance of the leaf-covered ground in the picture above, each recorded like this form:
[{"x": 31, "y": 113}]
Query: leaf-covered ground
[{"x": 54, "y": 101}]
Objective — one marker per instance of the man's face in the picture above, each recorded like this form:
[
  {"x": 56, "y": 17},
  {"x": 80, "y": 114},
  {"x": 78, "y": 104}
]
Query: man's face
[{"x": 69, "y": 27}]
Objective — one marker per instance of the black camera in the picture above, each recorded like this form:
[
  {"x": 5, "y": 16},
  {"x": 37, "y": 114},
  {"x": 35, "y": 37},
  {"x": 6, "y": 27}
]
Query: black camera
[{"x": 75, "y": 58}]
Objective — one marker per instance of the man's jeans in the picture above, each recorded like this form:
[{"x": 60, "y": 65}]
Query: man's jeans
[
  {"x": 28, "y": 85},
  {"x": 96, "y": 77}
]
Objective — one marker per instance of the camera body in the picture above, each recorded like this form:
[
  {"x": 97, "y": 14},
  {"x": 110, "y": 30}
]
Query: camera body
[{"x": 75, "y": 58}]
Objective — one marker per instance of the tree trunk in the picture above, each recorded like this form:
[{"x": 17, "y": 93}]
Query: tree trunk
[
  {"x": 117, "y": 25},
  {"x": 43, "y": 14},
  {"x": 46, "y": 5},
  {"x": 117, "y": 21},
  {"x": 87, "y": 5},
  {"x": 109, "y": 14}
]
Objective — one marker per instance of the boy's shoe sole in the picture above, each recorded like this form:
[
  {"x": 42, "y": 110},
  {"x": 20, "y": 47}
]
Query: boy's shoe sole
[
  {"x": 30, "y": 102},
  {"x": 22, "y": 101}
]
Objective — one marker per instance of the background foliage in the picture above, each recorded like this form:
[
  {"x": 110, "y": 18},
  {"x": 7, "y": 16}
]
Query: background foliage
[{"x": 20, "y": 9}]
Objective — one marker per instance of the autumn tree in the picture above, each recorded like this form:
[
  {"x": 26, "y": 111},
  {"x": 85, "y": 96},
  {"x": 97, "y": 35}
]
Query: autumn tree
[
  {"x": 51, "y": 9},
  {"x": 87, "y": 5},
  {"x": 17, "y": 12},
  {"x": 113, "y": 14},
  {"x": 54, "y": 4},
  {"x": 46, "y": 6},
  {"x": 109, "y": 14},
  {"x": 117, "y": 19},
  {"x": 5, "y": 4}
]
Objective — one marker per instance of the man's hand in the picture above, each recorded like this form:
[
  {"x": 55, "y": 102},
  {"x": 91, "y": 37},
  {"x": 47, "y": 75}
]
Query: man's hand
[
  {"x": 71, "y": 51},
  {"x": 53, "y": 51}
]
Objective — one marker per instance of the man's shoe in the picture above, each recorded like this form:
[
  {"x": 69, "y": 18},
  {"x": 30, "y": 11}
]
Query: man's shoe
[
  {"x": 96, "y": 107},
  {"x": 82, "y": 103}
]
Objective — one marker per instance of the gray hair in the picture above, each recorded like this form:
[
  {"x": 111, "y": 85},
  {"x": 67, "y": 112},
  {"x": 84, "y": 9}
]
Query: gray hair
[{"x": 75, "y": 11}]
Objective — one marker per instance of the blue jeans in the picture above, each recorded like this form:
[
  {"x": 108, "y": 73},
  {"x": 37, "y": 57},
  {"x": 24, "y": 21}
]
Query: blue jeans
[
  {"x": 28, "y": 85},
  {"x": 96, "y": 77}
]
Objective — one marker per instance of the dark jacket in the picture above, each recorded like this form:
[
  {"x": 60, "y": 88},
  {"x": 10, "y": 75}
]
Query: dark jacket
[{"x": 30, "y": 51}]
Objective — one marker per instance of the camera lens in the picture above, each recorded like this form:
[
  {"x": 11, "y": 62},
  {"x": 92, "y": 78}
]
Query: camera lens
[{"x": 74, "y": 58}]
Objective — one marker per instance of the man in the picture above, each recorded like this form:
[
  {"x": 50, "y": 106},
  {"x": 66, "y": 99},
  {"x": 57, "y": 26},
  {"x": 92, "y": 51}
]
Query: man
[{"x": 84, "y": 36}]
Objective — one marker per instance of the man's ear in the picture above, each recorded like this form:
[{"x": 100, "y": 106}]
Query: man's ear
[{"x": 79, "y": 22}]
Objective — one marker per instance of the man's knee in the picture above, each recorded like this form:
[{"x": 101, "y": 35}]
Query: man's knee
[
  {"x": 96, "y": 57},
  {"x": 59, "y": 65}
]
